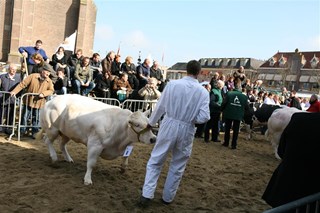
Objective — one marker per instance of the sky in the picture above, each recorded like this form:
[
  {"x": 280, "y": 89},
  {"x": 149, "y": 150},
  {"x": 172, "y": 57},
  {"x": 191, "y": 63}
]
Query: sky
[{"x": 172, "y": 31}]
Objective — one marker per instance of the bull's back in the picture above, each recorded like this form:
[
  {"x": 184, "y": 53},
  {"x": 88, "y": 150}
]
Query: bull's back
[
  {"x": 80, "y": 118},
  {"x": 280, "y": 119},
  {"x": 62, "y": 109},
  {"x": 265, "y": 111}
]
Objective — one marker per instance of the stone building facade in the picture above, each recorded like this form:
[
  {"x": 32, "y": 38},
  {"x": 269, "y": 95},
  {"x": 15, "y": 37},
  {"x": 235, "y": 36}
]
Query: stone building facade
[{"x": 22, "y": 22}]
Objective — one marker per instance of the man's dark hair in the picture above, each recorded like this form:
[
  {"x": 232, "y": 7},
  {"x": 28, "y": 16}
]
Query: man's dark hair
[
  {"x": 193, "y": 67},
  {"x": 95, "y": 55},
  {"x": 38, "y": 42}
]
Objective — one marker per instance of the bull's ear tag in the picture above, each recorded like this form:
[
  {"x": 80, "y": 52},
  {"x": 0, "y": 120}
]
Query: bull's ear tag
[{"x": 128, "y": 151}]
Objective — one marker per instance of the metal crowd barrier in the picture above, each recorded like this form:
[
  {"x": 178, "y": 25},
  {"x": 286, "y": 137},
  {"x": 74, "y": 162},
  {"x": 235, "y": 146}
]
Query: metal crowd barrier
[
  {"x": 8, "y": 108},
  {"x": 135, "y": 105},
  {"x": 110, "y": 101},
  {"x": 28, "y": 116},
  {"x": 19, "y": 116},
  {"x": 306, "y": 204}
]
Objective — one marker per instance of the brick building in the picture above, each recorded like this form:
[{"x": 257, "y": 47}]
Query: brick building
[
  {"x": 22, "y": 22},
  {"x": 294, "y": 70}
]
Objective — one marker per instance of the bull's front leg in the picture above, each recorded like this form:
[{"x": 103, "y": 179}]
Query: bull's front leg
[
  {"x": 124, "y": 164},
  {"x": 94, "y": 152}
]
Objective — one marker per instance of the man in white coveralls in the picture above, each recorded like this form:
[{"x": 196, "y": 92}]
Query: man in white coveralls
[{"x": 183, "y": 103}]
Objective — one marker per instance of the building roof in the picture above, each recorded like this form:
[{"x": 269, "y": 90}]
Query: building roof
[
  {"x": 309, "y": 60},
  {"x": 231, "y": 63},
  {"x": 179, "y": 66}
]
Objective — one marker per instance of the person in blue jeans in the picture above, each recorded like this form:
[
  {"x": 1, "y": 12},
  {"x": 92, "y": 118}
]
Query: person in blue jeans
[
  {"x": 83, "y": 77},
  {"x": 8, "y": 82},
  {"x": 41, "y": 86}
]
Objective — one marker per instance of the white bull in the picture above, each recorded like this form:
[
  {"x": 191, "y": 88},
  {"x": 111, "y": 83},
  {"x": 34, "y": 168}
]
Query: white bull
[
  {"x": 278, "y": 121},
  {"x": 106, "y": 130}
]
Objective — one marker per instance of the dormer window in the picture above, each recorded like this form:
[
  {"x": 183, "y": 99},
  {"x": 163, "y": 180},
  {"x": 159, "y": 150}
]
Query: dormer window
[
  {"x": 282, "y": 61},
  {"x": 303, "y": 61},
  {"x": 234, "y": 62},
  {"x": 217, "y": 62},
  {"x": 210, "y": 61},
  {"x": 243, "y": 62},
  {"x": 203, "y": 61},
  {"x": 314, "y": 61},
  {"x": 225, "y": 62},
  {"x": 272, "y": 61}
]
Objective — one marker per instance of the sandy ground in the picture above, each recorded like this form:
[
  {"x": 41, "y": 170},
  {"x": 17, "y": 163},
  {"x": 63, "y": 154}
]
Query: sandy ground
[{"x": 217, "y": 179}]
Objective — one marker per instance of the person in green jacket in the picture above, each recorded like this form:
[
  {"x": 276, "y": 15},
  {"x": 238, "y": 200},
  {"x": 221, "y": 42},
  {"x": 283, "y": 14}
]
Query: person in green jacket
[
  {"x": 233, "y": 108},
  {"x": 215, "y": 112}
]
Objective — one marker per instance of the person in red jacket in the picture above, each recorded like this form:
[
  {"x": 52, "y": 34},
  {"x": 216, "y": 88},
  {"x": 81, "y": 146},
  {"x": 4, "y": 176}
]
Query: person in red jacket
[{"x": 314, "y": 104}]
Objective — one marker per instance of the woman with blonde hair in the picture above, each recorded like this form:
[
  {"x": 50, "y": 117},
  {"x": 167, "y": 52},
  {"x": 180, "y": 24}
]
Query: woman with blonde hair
[{"x": 129, "y": 68}]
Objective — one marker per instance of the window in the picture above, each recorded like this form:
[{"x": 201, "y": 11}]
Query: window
[
  {"x": 234, "y": 62},
  {"x": 225, "y": 62},
  {"x": 243, "y": 62},
  {"x": 314, "y": 61},
  {"x": 203, "y": 61},
  {"x": 282, "y": 61},
  {"x": 210, "y": 61},
  {"x": 272, "y": 61},
  {"x": 217, "y": 62}
]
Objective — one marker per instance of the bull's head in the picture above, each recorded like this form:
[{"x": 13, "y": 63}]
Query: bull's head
[{"x": 138, "y": 123}]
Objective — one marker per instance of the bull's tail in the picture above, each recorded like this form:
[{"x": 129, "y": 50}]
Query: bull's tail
[
  {"x": 40, "y": 135},
  {"x": 266, "y": 134}
]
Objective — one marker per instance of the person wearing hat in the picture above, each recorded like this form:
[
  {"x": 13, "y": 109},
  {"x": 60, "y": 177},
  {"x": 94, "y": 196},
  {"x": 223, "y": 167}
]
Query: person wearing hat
[
  {"x": 314, "y": 104},
  {"x": 40, "y": 64},
  {"x": 42, "y": 86}
]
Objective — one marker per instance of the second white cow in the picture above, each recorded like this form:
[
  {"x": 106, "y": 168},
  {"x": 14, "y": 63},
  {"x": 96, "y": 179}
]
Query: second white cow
[
  {"x": 277, "y": 122},
  {"x": 105, "y": 130}
]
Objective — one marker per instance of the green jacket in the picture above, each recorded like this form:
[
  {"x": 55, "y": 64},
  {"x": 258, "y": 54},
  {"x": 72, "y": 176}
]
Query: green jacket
[
  {"x": 215, "y": 101},
  {"x": 234, "y": 105}
]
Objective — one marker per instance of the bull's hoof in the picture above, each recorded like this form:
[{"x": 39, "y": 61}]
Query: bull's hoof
[
  {"x": 69, "y": 161},
  {"x": 87, "y": 183},
  {"x": 54, "y": 159}
]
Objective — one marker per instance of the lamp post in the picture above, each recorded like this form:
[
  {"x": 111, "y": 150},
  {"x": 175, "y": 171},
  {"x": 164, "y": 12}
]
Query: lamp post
[{"x": 139, "y": 59}]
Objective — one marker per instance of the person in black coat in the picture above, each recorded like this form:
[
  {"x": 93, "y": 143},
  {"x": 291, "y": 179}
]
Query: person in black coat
[
  {"x": 297, "y": 175},
  {"x": 60, "y": 86},
  {"x": 8, "y": 82},
  {"x": 103, "y": 86},
  {"x": 294, "y": 101}
]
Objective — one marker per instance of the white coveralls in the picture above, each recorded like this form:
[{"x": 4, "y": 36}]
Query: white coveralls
[{"x": 184, "y": 103}]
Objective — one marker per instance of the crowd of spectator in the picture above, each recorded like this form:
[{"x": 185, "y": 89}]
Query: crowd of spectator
[
  {"x": 107, "y": 77},
  {"x": 78, "y": 74},
  {"x": 221, "y": 90}
]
